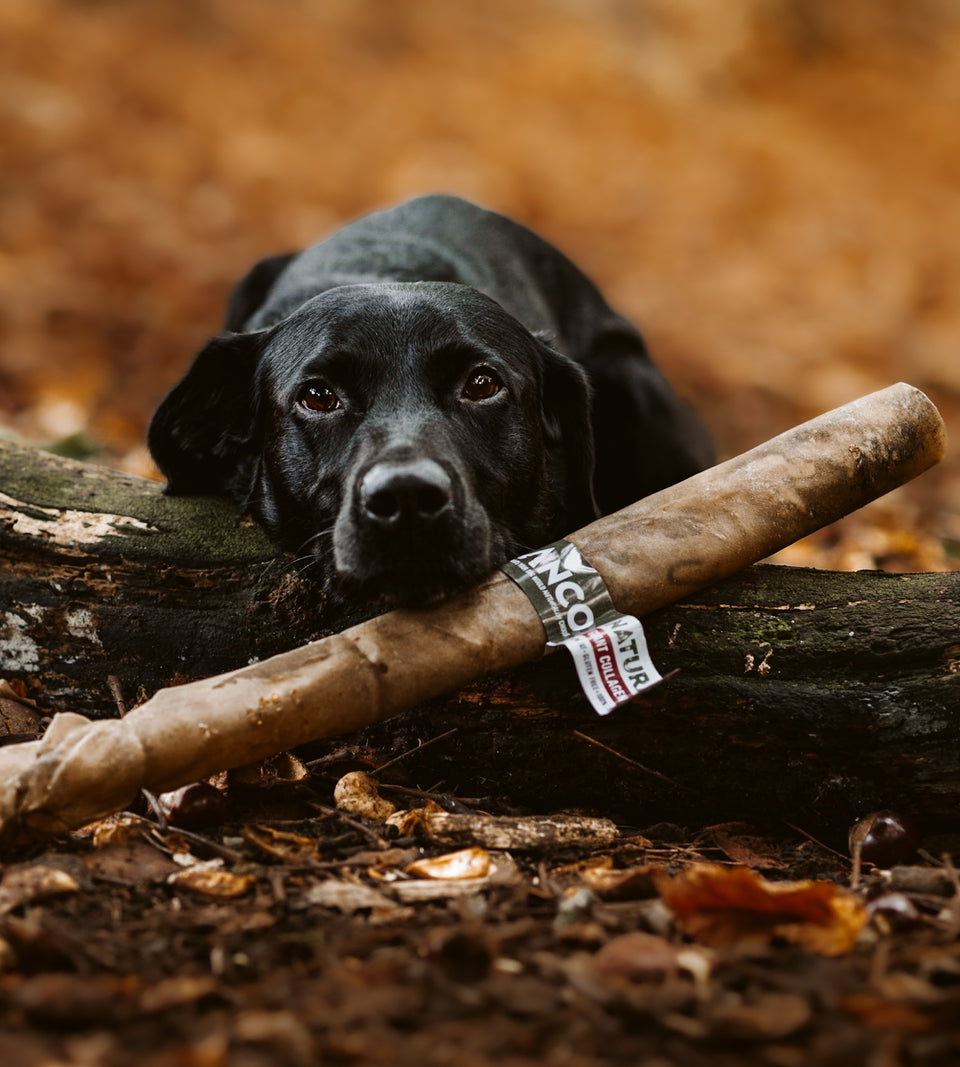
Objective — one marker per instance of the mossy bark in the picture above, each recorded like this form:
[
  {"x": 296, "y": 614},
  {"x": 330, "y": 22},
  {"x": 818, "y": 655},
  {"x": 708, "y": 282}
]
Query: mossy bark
[
  {"x": 804, "y": 695},
  {"x": 102, "y": 576}
]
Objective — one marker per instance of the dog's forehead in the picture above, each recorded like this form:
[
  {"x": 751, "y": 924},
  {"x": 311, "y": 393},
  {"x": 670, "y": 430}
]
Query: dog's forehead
[{"x": 371, "y": 317}]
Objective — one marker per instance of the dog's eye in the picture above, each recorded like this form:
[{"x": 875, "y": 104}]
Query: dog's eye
[
  {"x": 482, "y": 385},
  {"x": 318, "y": 396}
]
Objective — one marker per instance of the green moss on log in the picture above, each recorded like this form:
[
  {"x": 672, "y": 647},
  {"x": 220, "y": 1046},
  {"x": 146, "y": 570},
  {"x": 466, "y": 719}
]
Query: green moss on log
[{"x": 196, "y": 531}]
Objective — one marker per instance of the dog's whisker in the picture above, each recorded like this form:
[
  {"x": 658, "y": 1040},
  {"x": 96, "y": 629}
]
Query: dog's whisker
[
  {"x": 317, "y": 555},
  {"x": 316, "y": 537}
]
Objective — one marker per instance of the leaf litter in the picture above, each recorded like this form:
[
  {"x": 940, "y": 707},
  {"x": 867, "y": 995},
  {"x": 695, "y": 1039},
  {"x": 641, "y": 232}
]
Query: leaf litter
[{"x": 129, "y": 943}]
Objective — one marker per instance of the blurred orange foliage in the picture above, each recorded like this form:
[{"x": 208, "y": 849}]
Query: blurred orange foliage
[{"x": 768, "y": 188}]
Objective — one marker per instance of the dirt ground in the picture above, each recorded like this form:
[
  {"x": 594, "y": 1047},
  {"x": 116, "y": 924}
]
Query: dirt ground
[
  {"x": 311, "y": 936},
  {"x": 769, "y": 190}
]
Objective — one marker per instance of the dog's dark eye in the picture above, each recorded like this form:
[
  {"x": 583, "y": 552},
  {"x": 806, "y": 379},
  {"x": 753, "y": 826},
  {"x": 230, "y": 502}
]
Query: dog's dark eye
[
  {"x": 482, "y": 385},
  {"x": 318, "y": 396}
]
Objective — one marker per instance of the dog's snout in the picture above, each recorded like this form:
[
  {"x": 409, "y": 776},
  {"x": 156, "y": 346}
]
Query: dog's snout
[{"x": 405, "y": 493}]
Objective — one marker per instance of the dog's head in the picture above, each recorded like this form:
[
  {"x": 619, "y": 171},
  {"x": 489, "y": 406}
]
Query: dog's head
[{"x": 409, "y": 436}]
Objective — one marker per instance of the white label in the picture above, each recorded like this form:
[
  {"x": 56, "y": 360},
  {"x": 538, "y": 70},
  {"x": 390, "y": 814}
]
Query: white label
[{"x": 609, "y": 649}]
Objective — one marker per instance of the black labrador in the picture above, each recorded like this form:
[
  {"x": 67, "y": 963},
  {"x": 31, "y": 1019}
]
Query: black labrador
[{"x": 419, "y": 397}]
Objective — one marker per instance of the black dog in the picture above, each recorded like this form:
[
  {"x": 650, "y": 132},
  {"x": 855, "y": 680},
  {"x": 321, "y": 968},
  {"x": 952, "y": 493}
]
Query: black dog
[{"x": 431, "y": 390}]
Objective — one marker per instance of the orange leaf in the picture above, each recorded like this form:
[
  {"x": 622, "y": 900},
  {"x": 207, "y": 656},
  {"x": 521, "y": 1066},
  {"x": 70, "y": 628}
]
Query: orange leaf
[{"x": 724, "y": 906}]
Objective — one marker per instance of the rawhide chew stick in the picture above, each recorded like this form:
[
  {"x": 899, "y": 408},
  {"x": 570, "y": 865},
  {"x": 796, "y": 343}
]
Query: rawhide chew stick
[{"x": 649, "y": 554}]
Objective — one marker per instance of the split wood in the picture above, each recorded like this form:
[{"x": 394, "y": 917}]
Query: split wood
[{"x": 649, "y": 554}]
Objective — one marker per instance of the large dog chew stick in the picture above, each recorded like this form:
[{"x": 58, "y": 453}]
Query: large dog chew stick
[{"x": 650, "y": 554}]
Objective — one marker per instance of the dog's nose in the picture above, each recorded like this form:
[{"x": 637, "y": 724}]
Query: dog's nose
[{"x": 405, "y": 493}]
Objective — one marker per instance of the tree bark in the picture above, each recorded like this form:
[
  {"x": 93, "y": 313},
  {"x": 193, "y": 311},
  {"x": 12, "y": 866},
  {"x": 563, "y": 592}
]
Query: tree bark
[{"x": 802, "y": 695}]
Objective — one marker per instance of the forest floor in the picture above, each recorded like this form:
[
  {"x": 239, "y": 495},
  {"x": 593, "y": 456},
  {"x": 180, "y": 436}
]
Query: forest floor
[{"x": 292, "y": 932}]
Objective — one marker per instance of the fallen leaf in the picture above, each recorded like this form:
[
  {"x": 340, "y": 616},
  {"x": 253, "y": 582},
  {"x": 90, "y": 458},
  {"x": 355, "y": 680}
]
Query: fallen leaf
[
  {"x": 282, "y": 769},
  {"x": 419, "y": 890},
  {"x": 637, "y": 957},
  {"x": 724, "y": 906},
  {"x": 212, "y": 882},
  {"x": 71, "y": 999},
  {"x": 281, "y": 844},
  {"x": 467, "y": 863},
  {"x": 36, "y": 881},
  {"x": 282, "y": 1030},
  {"x": 136, "y": 862},
  {"x": 744, "y": 848},
  {"x": 346, "y": 897},
  {"x": 881, "y": 1013},
  {"x": 406, "y": 822},
  {"x": 632, "y": 883},
  {"x": 119, "y": 829},
  {"x": 177, "y": 990},
  {"x": 771, "y": 1017}
]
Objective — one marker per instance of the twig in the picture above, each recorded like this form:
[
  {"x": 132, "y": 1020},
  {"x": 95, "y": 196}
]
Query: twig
[
  {"x": 375, "y": 839},
  {"x": 411, "y": 751},
  {"x": 810, "y": 837},
  {"x": 634, "y": 763}
]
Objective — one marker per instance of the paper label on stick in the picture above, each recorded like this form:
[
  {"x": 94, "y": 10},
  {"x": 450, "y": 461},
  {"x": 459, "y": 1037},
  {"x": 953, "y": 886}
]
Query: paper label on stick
[{"x": 609, "y": 649}]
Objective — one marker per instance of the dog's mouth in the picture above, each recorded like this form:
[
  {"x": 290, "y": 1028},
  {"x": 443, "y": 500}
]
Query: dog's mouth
[
  {"x": 406, "y": 587},
  {"x": 402, "y": 591}
]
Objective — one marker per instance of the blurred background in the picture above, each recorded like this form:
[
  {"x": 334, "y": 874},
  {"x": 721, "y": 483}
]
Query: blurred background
[{"x": 767, "y": 188}]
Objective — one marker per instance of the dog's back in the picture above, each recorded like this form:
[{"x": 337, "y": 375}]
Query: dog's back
[{"x": 444, "y": 239}]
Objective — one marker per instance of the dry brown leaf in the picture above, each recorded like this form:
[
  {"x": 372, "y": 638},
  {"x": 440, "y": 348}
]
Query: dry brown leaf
[
  {"x": 739, "y": 845},
  {"x": 420, "y": 890},
  {"x": 136, "y": 862},
  {"x": 36, "y": 881},
  {"x": 631, "y": 883},
  {"x": 881, "y": 1013},
  {"x": 771, "y": 1017},
  {"x": 410, "y": 820},
  {"x": 123, "y": 828},
  {"x": 282, "y": 769},
  {"x": 212, "y": 882},
  {"x": 70, "y": 998},
  {"x": 177, "y": 990},
  {"x": 281, "y": 844},
  {"x": 724, "y": 906},
  {"x": 347, "y": 897},
  {"x": 467, "y": 863},
  {"x": 281, "y": 1030},
  {"x": 637, "y": 957}
]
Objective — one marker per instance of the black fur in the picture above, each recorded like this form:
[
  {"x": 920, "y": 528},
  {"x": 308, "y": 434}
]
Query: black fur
[{"x": 342, "y": 407}]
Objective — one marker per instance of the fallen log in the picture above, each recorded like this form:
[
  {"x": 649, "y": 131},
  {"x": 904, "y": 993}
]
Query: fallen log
[{"x": 807, "y": 695}]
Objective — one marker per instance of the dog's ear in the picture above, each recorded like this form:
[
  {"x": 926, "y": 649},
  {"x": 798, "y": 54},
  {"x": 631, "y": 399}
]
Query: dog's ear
[
  {"x": 251, "y": 291},
  {"x": 568, "y": 432},
  {"x": 203, "y": 434}
]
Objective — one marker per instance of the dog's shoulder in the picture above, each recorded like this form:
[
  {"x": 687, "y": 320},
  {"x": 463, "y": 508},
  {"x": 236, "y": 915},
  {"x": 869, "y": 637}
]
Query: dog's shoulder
[
  {"x": 439, "y": 238},
  {"x": 407, "y": 243}
]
